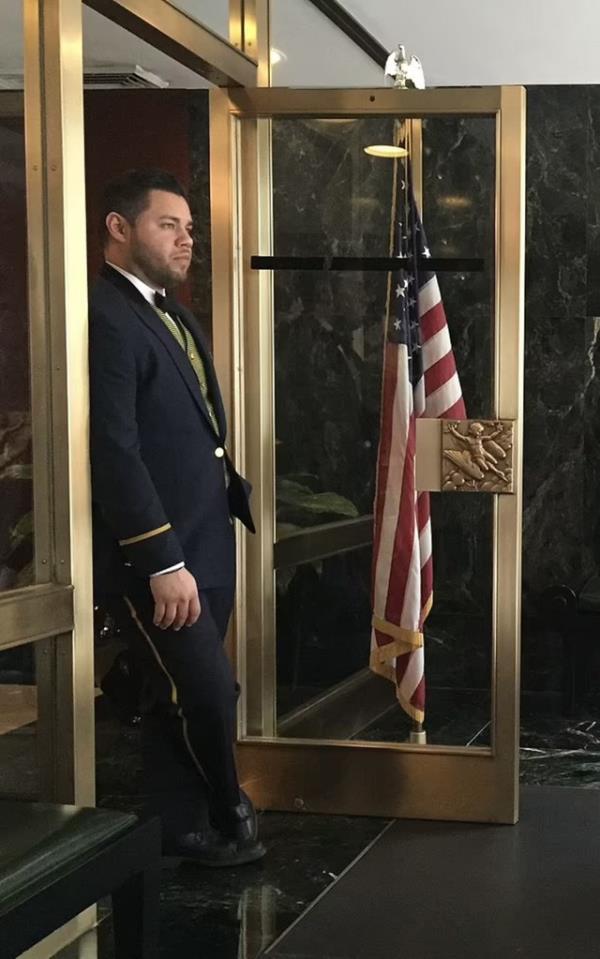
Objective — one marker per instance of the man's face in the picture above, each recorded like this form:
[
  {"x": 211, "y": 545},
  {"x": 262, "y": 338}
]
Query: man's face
[{"x": 160, "y": 241}]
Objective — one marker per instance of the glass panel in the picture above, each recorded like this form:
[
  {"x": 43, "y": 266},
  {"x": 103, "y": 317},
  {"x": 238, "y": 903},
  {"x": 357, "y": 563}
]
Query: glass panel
[
  {"x": 19, "y": 759},
  {"x": 325, "y": 688},
  {"x": 213, "y": 14},
  {"x": 459, "y": 194},
  {"x": 329, "y": 346},
  {"x": 323, "y": 626},
  {"x": 16, "y": 490},
  {"x": 328, "y": 405}
]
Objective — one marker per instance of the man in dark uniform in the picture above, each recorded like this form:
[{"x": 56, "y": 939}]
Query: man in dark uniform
[{"x": 164, "y": 493}]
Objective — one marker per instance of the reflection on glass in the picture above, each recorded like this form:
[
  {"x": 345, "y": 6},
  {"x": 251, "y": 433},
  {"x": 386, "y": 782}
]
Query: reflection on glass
[
  {"x": 328, "y": 363},
  {"x": 324, "y": 686},
  {"x": 459, "y": 169},
  {"x": 329, "y": 326},
  {"x": 213, "y": 14},
  {"x": 458, "y": 631},
  {"x": 323, "y": 626},
  {"x": 16, "y": 493},
  {"x": 18, "y": 721}
]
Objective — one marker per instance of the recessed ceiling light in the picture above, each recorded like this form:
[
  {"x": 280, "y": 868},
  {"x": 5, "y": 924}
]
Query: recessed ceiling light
[{"x": 386, "y": 150}]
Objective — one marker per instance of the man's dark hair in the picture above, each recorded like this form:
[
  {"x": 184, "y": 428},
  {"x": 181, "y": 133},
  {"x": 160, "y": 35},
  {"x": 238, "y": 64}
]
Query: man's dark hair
[{"x": 128, "y": 193}]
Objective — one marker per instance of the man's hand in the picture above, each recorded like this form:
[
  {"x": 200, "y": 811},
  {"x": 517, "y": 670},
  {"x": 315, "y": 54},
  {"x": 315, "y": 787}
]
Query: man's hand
[{"x": 176, "y": 600}]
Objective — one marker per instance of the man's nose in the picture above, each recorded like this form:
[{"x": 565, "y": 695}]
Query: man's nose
[{"x": 185, "y": 239}]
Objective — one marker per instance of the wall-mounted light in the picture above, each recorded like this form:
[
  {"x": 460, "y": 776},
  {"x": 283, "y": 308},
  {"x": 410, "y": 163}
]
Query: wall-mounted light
[{"x": 386, "y": 150}]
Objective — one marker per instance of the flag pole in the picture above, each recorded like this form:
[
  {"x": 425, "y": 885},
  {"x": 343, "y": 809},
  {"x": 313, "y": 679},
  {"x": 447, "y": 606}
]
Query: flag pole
[{"x": 418, "y": 734}]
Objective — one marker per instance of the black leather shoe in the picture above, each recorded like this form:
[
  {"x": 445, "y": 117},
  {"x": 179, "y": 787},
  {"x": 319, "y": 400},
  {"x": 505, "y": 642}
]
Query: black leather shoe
[
  {"x": 212, "y": 850},
  {"x": 240, "y": 822}
]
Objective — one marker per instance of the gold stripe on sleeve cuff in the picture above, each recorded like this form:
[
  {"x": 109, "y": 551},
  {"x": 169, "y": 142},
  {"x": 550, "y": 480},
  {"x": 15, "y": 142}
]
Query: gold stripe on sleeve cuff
[{"x": 143, "y": 536}]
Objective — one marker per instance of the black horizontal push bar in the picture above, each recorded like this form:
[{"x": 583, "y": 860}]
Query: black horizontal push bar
[{"x": 366, "y": 264}]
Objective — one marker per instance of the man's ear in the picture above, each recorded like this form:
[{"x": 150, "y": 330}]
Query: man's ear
[{"x": 116, "y": 227}]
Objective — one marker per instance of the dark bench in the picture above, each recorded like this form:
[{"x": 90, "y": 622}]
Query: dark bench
[
  {"x": 56, "y": 861},
  {"x": 575, "y": 615}
]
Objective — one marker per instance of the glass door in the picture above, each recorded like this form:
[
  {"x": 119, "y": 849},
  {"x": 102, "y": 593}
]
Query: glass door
[
  {"x": 377, "y": 313},
  {"x": 46, "y": 641}
]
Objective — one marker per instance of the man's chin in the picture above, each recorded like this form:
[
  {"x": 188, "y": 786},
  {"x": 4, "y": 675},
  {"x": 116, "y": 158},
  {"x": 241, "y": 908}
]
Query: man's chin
[{"x": 178, "y": 276}]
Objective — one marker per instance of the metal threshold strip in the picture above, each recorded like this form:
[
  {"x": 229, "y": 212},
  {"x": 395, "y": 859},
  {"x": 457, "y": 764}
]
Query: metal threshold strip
[{"x": 366, "y": 264}]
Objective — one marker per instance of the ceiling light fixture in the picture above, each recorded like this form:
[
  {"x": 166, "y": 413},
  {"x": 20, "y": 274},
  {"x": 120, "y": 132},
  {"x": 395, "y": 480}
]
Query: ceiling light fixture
[{"x": 386, "y": 150}]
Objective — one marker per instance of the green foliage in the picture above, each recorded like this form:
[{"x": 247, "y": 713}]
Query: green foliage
[{"x": 298, "y": 497}]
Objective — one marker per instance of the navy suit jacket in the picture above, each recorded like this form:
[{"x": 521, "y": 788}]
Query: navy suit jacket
[{"x": 158, "y": 484}]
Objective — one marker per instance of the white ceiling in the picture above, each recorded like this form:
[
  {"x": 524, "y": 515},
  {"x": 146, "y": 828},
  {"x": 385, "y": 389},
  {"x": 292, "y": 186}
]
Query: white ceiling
[
  {"x": 104, "y": 42},
  {"x": 483, "y": 42},
  {"x": 462, "y": 43},
  {"x": 317, "y": 53}
]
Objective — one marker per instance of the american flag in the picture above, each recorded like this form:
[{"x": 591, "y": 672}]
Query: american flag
[{"x": 419, "y": 379}]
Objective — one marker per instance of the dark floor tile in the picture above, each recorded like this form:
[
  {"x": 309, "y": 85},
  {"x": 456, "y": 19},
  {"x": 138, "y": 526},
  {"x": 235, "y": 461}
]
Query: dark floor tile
[{"x": 225, "y": 914}]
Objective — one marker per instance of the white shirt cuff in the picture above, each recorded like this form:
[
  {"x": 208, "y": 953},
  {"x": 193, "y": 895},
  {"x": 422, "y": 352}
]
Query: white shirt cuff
[{"x": 171, "y": 569}]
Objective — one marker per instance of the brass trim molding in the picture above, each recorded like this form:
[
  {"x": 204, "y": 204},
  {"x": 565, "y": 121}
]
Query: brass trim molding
[
  {"x": 257, "y": 37},
  {"x": 364, "y": 779},
  {"x": 57, "y": 259},
  {"x": 28, "y": 615},
  {"x": 414, "y": 104}
]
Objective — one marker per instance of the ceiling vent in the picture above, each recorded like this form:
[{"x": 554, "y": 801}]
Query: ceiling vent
[
  {"x": 109, "y": 75},
  {"x": 104, "y": 77}
]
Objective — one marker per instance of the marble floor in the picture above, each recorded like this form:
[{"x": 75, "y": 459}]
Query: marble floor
[
  {"x": 236, "y": 914},
  {"x": 231, "y": 914}
]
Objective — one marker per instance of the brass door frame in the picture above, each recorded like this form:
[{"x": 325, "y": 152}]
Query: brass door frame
[
  {"x": 56, "y": 613},
  {"x": 479, "y": 784}
]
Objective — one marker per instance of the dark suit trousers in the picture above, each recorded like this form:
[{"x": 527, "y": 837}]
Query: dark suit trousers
[{"x": 190, "y": 696}]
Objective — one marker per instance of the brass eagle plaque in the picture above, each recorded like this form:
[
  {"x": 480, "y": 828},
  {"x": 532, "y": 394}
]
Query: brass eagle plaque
[{"x": 477, "y": 456}]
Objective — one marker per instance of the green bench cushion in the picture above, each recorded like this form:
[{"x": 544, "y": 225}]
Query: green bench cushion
[{"x": 40, "y": 842}]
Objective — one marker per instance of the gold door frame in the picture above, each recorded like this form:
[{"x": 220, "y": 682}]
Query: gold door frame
[
  {"x": 450, "y": 783},
  {"x": 56, "y": 612}
]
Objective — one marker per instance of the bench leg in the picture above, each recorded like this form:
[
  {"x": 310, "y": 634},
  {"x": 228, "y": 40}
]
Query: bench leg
[{"x": 135, "y": 916}]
